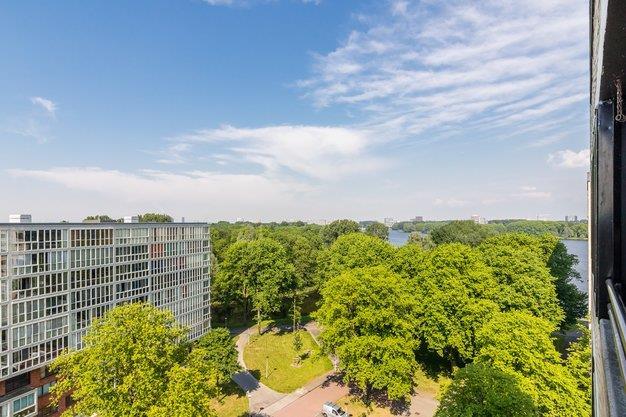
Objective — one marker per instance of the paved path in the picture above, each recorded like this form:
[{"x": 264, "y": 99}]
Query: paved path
[
  {"x": 306, "y": 401},
  {"x": 259, "y": 395}
]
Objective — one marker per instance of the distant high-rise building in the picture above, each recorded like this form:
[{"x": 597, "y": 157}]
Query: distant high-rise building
[
  {"x": 478, "y": 220},
  {"x": 571, "y": 218},
  {"x": 389, "y": 221},
  {"x": 418, "y": 218},
  {"x": 56, "y": 278}
]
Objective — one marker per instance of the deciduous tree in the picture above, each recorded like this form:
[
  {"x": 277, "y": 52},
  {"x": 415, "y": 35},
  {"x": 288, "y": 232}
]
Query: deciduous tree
[
  {"x": 368, "y": 317},
  {"x": 134, "y": 362},
  {"x": 332, "y": 231},
  {"x": 379, "y": 230},
  {"x": 479, "y": 390}
]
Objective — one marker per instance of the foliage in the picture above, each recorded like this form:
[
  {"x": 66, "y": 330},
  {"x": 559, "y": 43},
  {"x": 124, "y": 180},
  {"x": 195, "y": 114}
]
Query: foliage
[
  {"x": 102, "y": 218},
  {"x": 134, "y": 364},
  {"x": 456, "y": 293},
  {"x": 297, "y": 342},
  {"x": 520, "y": 344},
  {"x": 368, "y": 320},
  {"x": 354, "y": 250},
  {"x": 562, "y": 229},
  {"x": 378, "y": 230},
  {"x": 465, "y": 231},
  {"x": 572, "y": 300},
  {"x": 425, "y": 241},
  {"x": 155, "y": 218},
  {"x": 479, "y": 390},
  {"x": 524, "y": 281},
  {"x": 408, "y": 260},
  {"x": 255, "y": 272},
  {"x": 579, "y": 361},
  {"x": 218, "y": 352},
  {"x": 332, "y": 231}
]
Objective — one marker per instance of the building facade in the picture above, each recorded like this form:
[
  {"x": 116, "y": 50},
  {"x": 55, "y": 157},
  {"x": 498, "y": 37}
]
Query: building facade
[{"x": 56, "y": 278}]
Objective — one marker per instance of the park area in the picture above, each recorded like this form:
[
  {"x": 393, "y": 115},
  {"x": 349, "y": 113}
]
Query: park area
[{"x": 273, "y": 360}]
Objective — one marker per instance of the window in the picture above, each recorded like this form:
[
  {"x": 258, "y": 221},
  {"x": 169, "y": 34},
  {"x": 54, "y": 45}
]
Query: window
[
  {"x": 24, "y": 406},
  {"x": 44, "y": 389}
]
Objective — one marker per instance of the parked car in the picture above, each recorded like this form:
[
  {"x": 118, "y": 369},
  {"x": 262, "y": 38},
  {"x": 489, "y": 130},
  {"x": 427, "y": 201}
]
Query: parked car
[{"x": 333, "y": 410}]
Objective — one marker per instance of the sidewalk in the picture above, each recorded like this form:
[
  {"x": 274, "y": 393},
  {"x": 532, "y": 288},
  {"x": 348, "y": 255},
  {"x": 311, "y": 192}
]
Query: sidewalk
[{"x": 259, "y": 395}]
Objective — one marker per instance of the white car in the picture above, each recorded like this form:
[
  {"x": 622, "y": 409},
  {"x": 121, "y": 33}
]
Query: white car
[{"x": 333, "y": 410}]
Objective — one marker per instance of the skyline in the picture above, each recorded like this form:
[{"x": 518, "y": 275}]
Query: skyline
[{"x": 294, "y": 109}]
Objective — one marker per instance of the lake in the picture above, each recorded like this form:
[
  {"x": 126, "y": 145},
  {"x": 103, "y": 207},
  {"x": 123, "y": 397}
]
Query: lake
[{"x": 575, "y": 247}]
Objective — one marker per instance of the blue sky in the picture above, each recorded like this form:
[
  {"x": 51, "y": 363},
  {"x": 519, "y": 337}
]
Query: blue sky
[{"x": 293, "y": 109}]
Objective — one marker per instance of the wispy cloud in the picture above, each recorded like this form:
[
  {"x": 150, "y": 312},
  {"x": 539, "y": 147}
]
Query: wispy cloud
[
  {"x": 320, "y": 152},
  {"x": 48, "y": 105},
  {"x": 570, "y": 159},
  {"x": 531, "y": 192},
  {"x": 424, "y": 66},
  {"x": 200, "y": 193}
]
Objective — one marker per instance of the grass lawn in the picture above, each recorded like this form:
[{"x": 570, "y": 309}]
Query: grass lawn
[
  {"x": 270, "y": 358},
  {"x": 234, "y": 402}
]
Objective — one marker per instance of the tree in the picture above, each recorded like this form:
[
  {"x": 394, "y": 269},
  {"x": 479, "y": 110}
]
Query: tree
[
  {"x": 479, "y": 390},
  {"x": 355, "y": 250},
  {"x": 338, "y": 228},
  {"x": 368, "y": 321},
  {"x": 408, "y": 261},
  {"x": 217, "y": 350},
  {"x": 461, "y": 231},
  {"x": 378, "y": 230},
  {"x": 520, "y": 344},
  {"x": 102, "y": 218},
  {"x": 303, "y": 256},
  {"x": 256, "y": 272},
  {"x": 155, "y": 218},
  {"x": 456, "y": 292},
  {"x": 563, "y": 267},
  {"x": 524, "y": 280},
  {"x": 579, "y": 361},
  {"x": 134, "y": 362},
  {"x": 425, "y": 241}
]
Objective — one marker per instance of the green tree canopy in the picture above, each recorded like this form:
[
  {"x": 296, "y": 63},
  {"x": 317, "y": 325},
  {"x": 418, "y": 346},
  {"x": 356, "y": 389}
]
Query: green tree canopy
[
  {"x": 155, "y": 218},
  {"x": 255, "y": 272},
  {"x": 368, "y": 320},
  {"x": 103, "y": 218},
  {"x": 524, "y": 280},
  {"x": 461, "y": 231},
  {"x": 455, "y": 290},
  {"x": 520, "y": 344},
  {"x": 333, "y": 230},
  {"x": 133, "y": 364},
  {"x": 479, "y": 390},
  {"x": 216, "y": 350},
  {"x": 354, "y": 250},
  {"x": 379, "y": 230}
]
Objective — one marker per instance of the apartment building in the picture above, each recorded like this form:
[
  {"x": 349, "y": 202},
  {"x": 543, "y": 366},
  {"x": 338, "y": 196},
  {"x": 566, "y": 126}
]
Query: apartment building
[{"x": 55, "y": 278}]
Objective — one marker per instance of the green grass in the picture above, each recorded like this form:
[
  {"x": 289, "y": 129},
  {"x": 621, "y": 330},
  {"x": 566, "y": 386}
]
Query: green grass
[
  {"x": 232, "y": 403},
  {"x": 270, "y": 358}
]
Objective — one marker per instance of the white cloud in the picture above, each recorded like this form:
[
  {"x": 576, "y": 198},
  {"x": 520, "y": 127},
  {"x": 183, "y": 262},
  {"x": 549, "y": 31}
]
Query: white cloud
[
  {"x": 321, "y": 152},
  {"x": 425, "y": 67},
  {"x": 450, "y": 202},
  {"x": 531, "y": 192},
  {"x": 198, "y": 193},
  {"x": 570, "y": 159},
  {"x": 48, "y": 105}
]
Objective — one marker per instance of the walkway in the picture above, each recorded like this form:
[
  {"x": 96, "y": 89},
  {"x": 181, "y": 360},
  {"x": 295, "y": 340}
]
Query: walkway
[
  {"x": 259, "y": 395},
  {"x": 306, "y": 401}
]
